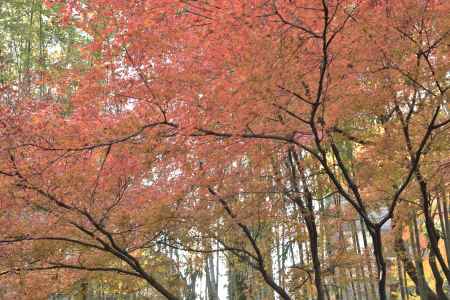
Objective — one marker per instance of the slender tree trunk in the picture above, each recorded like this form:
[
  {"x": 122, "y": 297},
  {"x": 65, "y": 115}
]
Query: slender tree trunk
[
  {"x": 329, "y": 252},
  {"x": 210, "y": 278},
  {"x": 401, "y": 279},
  {"x": 433, "y": 235},
  {"x": 415, "y": 243},
  {"x": 217, "y": 270},
  {"x": 368, "y": 262},
  {"x": 445, "y": 209},
  {"x": 191, "y": 292},
  {"x": 406, "y": 284},
  {"x": 359, "y": 270},
  {"x": 41, "y": 52},
  {"x": 375, "y": 233},
  {"x": 352, "y": 284},
  {"x": 313, "y": 238},
  {"x": 416, "y": 275},
  {"x": 439, "y": 282},
  {"x": 307, "y": 210},
  {"x": 446, "y": 224},
  {"x": 236, "y": 282}
]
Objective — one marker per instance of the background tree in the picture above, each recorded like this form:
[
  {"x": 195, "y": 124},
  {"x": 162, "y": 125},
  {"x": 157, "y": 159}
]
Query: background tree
[{"x": 269, "y": 139}]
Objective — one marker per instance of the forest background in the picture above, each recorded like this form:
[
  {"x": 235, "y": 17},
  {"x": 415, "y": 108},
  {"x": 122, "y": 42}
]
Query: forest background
[{"x": 224, "y": 149}]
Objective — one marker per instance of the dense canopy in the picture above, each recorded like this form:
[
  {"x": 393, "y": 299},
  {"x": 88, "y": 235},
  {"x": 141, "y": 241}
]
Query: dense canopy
[{"x": 264, "y": 149}]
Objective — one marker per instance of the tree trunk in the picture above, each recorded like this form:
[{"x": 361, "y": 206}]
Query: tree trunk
[
  {"x": 410, "y": 269},
  {"x": 401, "y": 280},
  {"x": 439, "y": 282},
  {"x": 312, "y": 230},
  {"x": 415, "y": 243},
  {"x": 368, "y": 262},
  {"x": 211, "y": 278},
  {"x": 433, "y": 235},
  {"x": 446, "y": 225},
  {"x": 375, "y": 233}
]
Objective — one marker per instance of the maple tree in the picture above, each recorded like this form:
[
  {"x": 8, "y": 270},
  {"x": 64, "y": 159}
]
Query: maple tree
[{"x": 238, "y": 128}]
